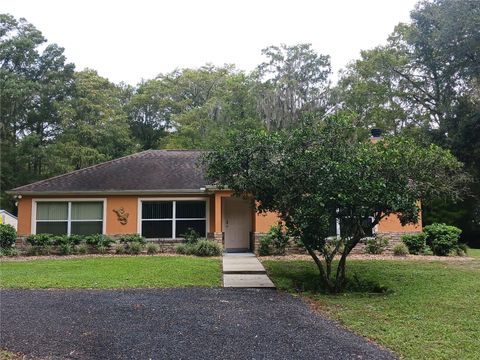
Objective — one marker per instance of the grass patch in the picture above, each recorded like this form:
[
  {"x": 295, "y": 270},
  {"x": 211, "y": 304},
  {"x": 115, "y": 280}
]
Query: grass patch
[
  {"x": 8, "y": 355},
  {"x": 430, "y": 310},
  {"x": 473, "y": 253},
  {"x": 111, "y": 272}
]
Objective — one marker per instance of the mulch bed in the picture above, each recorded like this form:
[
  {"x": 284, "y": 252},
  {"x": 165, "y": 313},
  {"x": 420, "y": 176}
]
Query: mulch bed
[{"x": 377, "y": 257}]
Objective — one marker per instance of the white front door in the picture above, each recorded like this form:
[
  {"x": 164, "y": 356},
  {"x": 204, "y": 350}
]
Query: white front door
[{"x": 237, "y": 223}]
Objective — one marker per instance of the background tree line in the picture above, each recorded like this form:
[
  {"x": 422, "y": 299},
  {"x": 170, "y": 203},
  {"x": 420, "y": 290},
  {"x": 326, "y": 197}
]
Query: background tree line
[{"x": 424, "y": 81}]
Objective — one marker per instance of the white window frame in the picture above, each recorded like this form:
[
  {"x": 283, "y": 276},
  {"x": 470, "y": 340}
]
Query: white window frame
[
  {"x": 69, "y": 212},
  {"x": 374, "y": 229},
  {"x": 174, "y": 218}
]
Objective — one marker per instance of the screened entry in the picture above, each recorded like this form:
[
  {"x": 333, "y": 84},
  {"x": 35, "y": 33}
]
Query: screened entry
[
  {"x": 69, "y": 217},
  {"x": 172, "y": 219}
]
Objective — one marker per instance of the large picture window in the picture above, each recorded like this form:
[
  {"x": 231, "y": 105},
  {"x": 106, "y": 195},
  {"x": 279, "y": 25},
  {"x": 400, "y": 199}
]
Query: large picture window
[
  {"x": 172, "y": 219},
  {"x": 69, "y": 217}
]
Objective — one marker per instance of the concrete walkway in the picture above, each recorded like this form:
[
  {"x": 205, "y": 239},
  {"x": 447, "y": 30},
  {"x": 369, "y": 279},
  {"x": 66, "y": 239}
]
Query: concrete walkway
[{"x": 243, "y": 270}]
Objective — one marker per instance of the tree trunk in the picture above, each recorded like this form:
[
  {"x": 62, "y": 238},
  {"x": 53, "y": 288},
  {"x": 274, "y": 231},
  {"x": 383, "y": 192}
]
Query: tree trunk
[
  {"x": 324, "y": 279},
  {"x": 341, "y": 279}
]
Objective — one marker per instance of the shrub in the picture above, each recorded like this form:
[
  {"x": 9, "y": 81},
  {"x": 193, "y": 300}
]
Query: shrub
[
  {"x": 11, "y": 251},
  {"x": 107, "y": 241},
  {"x": 203, "y": 247},
  {"x": 41, "y": 244},
  {"x": 8, "y": 236},
  {"x": 400, "y": 249},
  {"x": 191, "y": 236},
  {"x": 82, "y": 248},
  {"x": 135, "y": 248},
  {"x": 132, "y": 244},
  {"x": 40, "y": 240},
  {"x": 274, "y": 242},
  {"x": 152, "y": 248},
  {"x": 264, "y": 248},
  {"x": 65, "y": 249},
  {"x": 415, "y": 242},
  {"x": 442, "y": 238},
  {"x": 59, "y": 240},
  {"x": 463, "y": 247},
  {"x": 207, "y": 248},
  {"x": 279, "y": 239},
  {"x": 427, "y": 251},
  {"x": 119, "y": 249},
  {"x": 76, "y": 239},
  {"x": 130, "y": 238},
  {"x": 45, "y": 250},
  {"x": 376, "y": 245},
  {"x": 184, "y": 249},
  {"x": 31, "y": 251},
  {"x": 99, "y": 240},
  {"x": 102, "y": 249}
]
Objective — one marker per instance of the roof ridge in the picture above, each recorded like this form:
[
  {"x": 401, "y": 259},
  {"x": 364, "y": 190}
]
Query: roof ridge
[{"x": 82, "y": 169}]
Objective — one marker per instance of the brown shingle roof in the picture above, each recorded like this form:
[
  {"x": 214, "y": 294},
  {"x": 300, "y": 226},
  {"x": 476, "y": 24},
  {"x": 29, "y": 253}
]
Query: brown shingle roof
[{"x": 147, "y": 171}]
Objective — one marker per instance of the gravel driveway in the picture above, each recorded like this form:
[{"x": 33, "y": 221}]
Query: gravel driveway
[{"x": 191, "y": 323}]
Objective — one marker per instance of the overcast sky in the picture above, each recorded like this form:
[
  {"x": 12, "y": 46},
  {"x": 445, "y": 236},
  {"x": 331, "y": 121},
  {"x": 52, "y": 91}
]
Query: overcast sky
[{"x": 131, "y": 40}]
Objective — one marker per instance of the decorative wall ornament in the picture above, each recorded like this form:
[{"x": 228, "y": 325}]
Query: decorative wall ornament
[{"x": 122, "y": 216}]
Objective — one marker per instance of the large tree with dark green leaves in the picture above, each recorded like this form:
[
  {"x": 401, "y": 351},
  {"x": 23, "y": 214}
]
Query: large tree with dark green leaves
[
  {"x": 150, "y": 111},
  {"x": 369, "y": 89},
  {"x": 53, "y": 120},
  {"x": 426, "y": 81},
  {"x": 313, "y": 175},
  {"x": 423, "y": 72},
  {"x": 94, "y": 125},
  {"x": 292, "y": 84},
  {"x": 198, "y": 106},
  {"x": 34, "y": 79}
]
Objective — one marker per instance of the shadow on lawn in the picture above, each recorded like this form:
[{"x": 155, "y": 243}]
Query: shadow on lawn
[{"x": 302, "y": 279}]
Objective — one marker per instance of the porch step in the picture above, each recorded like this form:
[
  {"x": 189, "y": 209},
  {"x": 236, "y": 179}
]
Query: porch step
[
  {"x": 242, "y": 265},
  {"x": 247, "y": 281},
  {"x": 244, "y": 270}
]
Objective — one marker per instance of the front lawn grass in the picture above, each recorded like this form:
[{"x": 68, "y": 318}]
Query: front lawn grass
[
  {"x": 430, "y": 310},
  {"x": 473, "y": 252},
  {"x": 112, "y": 272}
]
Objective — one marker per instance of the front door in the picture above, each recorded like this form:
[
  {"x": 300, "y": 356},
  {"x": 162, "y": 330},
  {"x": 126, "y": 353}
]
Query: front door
[{"x": 237, "y": 224}]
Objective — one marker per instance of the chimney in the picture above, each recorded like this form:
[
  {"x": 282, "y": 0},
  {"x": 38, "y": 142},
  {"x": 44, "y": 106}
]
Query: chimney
[{"x": 376, "y": 135}]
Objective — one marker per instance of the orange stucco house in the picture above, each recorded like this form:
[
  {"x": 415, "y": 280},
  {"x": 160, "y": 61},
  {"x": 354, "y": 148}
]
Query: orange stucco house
[{"x": 156, "y": 193}]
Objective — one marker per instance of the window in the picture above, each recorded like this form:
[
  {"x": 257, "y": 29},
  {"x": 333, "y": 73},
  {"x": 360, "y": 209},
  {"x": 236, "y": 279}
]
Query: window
[
  {"x": 366, "y": 224},
  {"x": 171, "y": 219},
  {"x": 71, "y": 218},
  {"x": 333, "y": 228}
]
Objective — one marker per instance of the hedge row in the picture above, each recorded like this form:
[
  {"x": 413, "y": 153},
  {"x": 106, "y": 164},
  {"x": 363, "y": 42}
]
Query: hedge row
[{"x": 45, "y": 244}]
